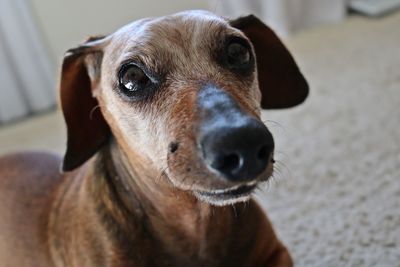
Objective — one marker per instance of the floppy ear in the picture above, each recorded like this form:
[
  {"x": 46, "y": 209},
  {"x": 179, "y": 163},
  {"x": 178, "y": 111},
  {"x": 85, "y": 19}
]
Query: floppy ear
[
  {"x": 87, "y": 130},
  {"x": 281, "y": 83}
]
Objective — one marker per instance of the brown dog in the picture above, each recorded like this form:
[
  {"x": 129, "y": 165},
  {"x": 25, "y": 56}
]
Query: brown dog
[{"x": 165, "y": 145}]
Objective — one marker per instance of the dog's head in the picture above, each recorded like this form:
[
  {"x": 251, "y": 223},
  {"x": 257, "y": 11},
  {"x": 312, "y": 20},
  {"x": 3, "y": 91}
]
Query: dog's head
[{"x": 183, "y": 93}]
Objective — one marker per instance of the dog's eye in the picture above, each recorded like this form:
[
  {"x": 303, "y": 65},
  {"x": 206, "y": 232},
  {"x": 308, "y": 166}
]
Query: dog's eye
[
  {"x": 132, "y": 79},
  {"x": 135, "y": 83},
  {"x": 238, "y": 54}
]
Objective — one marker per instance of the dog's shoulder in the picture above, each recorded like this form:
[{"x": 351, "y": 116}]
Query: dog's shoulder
[
  {"x": 28, "y": 182},
  {"x": 29, "y": 165},
  {"x": 29, "y": 175},
  {"x": 29, "y": 158}
]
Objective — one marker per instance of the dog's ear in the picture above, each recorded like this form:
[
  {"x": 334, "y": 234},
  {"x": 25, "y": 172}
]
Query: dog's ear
[
  {"x": 281, "y": 83},
  {"x": 87, "y": 129}
]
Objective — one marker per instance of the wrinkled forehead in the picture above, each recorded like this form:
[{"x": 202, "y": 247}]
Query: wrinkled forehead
[
  {"x": 176, "y": 28},
  {"x": 153, "y": 40}
]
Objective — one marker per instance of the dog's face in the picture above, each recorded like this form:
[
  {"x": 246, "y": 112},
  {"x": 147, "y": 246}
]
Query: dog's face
[{"x": 182, "y": 94}]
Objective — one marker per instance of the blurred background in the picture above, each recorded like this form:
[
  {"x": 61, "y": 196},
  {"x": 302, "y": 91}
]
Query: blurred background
[{"x": 335, "y": 196}]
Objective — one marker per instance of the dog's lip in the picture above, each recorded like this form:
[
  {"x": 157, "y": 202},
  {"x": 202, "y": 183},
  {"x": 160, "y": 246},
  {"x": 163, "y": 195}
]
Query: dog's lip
[{"x": 232, "y": 192}]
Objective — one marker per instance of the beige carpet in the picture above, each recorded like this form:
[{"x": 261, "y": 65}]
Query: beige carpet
[{"x": 335, "y": 199}]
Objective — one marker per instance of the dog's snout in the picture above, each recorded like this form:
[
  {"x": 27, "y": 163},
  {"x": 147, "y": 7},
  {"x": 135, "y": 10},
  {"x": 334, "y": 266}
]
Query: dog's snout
[
  {"x": 234, "y": 144},
  {"x": 238, "y": 153}
]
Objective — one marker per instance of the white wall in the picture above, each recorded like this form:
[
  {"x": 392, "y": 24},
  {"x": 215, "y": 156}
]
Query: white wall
[
  {"x": 65, "y": 23},
  {"x": 26, "y": 75},
  {"x": 287, "y": 16}
]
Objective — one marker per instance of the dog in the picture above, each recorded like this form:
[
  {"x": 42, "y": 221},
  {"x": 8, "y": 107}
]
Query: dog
[{"x": 165, "y": 147}]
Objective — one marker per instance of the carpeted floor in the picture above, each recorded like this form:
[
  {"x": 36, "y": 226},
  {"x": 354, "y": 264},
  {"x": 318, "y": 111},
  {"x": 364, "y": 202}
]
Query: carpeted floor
[{"x": 335, "y": 198}]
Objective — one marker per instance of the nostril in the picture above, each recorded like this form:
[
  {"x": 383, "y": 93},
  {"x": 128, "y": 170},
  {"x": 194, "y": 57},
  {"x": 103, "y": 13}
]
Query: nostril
[
  {"x": 173, "y": 147},
  {"x": 227, "y": 162},
  {"x": 263, "y": 152}
]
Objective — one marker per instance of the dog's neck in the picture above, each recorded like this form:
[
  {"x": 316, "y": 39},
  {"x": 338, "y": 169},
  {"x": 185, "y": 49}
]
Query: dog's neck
[
  {"x": 174, "y": 220},
  {"x": 119, "y": 214}
]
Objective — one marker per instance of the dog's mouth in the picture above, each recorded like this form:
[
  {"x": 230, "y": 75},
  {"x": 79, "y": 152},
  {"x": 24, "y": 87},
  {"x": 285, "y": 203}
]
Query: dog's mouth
[{"x": 222, "y": 197}]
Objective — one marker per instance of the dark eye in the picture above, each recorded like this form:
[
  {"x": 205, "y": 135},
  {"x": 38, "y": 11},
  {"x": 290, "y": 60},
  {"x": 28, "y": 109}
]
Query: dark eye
[
  {"x": 238, "y": 55},
  {"x": 133, "y": 80}
]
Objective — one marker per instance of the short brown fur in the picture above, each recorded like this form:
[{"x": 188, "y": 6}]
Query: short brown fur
[{"x": 126, "y": 199}]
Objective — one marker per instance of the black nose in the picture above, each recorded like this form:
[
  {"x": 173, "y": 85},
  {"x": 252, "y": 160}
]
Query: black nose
[{"x": 238, "y": 152}]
